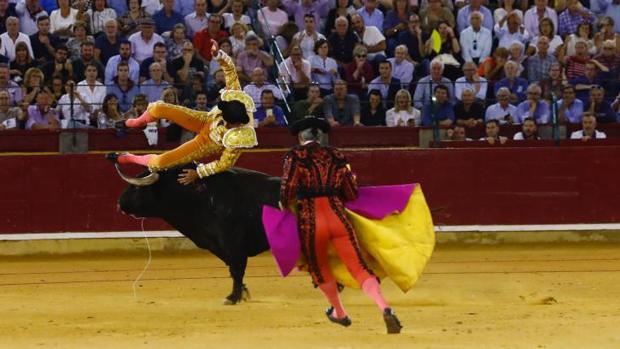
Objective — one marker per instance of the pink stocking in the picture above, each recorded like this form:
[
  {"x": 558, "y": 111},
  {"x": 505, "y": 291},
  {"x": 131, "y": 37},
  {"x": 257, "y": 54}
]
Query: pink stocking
[
  {"x": 330, "y": 290},
  {"x": 373, "y": 290},
  {"x": 144, "y": 119},
  {"x": 135, "y": 159}
]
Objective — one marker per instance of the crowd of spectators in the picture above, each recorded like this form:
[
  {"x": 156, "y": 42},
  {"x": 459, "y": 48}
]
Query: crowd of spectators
[{"x": 452, "y": 63}]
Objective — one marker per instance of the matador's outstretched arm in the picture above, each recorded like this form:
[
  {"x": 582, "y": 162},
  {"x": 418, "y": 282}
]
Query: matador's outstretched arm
[{"x": 228, "y": 66}]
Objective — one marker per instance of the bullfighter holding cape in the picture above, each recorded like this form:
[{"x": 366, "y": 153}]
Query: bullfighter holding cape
[
  {"x": 346, "y": 236},
  {"x": 226, "y": 129}
]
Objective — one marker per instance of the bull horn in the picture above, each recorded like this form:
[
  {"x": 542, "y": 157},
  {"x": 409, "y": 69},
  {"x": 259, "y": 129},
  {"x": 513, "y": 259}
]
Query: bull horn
[{"x": 140, "y": 182}]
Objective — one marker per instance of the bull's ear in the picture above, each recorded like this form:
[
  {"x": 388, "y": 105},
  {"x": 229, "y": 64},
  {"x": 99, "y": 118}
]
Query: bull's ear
[{"x": 140, "y": 182}]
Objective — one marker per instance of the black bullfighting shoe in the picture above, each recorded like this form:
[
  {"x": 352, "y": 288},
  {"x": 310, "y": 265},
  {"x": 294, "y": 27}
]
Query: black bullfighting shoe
[
  {"x": 391, "y": 321},
  {"x": 112, "y": 157},
  {"x": 345, "y": 321}
]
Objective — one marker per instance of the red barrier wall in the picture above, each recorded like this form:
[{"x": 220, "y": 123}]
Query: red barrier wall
[{"x": 55, "y": 193}]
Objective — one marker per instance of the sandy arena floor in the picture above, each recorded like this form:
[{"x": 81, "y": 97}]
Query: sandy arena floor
[{"x": 551, "y": 296}]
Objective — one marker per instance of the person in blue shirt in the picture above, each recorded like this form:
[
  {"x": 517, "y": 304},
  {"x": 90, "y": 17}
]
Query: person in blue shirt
[
  {"x": 167, "y": 17},
  {"x": 442, "y": 109},
  {"x": 269, "y": 114}
]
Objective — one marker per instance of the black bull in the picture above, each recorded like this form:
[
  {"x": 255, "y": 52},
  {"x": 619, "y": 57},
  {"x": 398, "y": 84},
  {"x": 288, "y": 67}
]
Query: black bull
[{"x": 221, "y": 213}]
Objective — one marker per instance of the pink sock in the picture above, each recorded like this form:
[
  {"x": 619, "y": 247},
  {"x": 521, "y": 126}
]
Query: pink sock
[
  {"x": 373, "y": 290},
  {"x": 135, "y": 159},
  {"x": 330, "y": 290},
  {"x": 144, "y": 119}
]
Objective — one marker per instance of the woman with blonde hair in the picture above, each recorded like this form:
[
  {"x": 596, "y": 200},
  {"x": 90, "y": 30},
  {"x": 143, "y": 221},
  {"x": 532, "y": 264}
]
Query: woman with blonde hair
[
  {"x": 238, "y": 33},
  {"x": 403, "y": 113},
  {"x": 33, "y": 83}
]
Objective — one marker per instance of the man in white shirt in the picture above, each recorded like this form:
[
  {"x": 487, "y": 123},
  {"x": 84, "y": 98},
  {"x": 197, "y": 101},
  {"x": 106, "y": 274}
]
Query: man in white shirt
[
  {"x": 307, "y": 37},
  {"x": 91, "y": 90},
  {"x": 295, "y": 72},
  {"x": 124, "y": 55},
  {"x": 143, "y": 41},
  {"x": 12, "y": 37},
  {"x": 509, "y": 30},
  {"x": 529, "y": 131},
  {"x": 258, "y": 85},
  {"x": 588, "y": 131},
  {"x": 472, "y": 81},
  {"x": 370, "y": 37},
  {"x": 402, "y": 69},
  {"x": 78, "y": 115},
  {"x": 502, "y": 111},
  {"x": 29, "y": 11},
  {"x": 197, "y": 20},
  {"x": 476, "y": 41},
  {"x": 533, "y": 16}
]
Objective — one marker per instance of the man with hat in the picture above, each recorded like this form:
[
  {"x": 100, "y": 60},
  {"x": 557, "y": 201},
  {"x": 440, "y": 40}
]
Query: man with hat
[
  {"x": 318, "y": 181},
  {"x": 143, "y": 41},
  {"x": 225, "y": 130}
]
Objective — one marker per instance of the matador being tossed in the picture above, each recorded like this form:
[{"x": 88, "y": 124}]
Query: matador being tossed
[{"x": 225, "y": 129}]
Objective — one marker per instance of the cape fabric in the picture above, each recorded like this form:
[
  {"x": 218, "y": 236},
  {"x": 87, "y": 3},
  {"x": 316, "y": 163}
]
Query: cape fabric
[{"x": 393, "y": 225}]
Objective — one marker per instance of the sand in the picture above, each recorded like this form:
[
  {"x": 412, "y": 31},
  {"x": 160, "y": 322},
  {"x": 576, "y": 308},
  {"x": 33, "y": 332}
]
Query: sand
[{"x": 509, "y": 296}]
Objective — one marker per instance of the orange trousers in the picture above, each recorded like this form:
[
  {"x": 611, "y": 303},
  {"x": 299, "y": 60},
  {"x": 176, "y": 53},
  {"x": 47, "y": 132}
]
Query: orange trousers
[
  {"x": 329, "y": 228},
  {"x": 189, "y": 119}
]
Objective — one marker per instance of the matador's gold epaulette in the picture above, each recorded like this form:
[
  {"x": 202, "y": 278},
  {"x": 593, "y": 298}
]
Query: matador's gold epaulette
[{"x": 240, "y": 137}]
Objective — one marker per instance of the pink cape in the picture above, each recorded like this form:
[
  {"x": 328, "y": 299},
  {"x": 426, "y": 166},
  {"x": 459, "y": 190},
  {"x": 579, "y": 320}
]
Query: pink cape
[{"x": 372, "y": 202}]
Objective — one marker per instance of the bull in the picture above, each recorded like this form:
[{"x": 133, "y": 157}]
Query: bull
[{"x": 221, "y": 213}]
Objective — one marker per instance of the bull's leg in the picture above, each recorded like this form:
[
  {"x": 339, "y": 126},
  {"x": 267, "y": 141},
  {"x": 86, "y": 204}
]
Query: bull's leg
[{"x": 237, "y": 272}]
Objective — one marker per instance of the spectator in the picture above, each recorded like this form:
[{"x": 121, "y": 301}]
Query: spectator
[
  {"x": 271, "y": 18},
  {"x": 403, "y": 113},
  {"x": 167, "y": 17},
  {"x": 506, "y": 7},
  {"x": 285, "y": 37},
  {"x": 258, "y": 85},
  {"x": 516, "y": 85},
  {"x": 235, "y": 15},
  {"x": 599, "y": 107},
  {"x": 572, "y": 17},
  {"x": 41, "y": 116},
  {"x": 344, "y": 9},
  {"x": 74, "y": 44},
  {"x": 28, "y": 12},
  {"x": 129, "y": 21},
  {"x": 123, "y": 87},
  {"x": 402, "y": 68},
  {"x": 7, "y": 112},
  {"x": 143, "y": 41},
  {"x": 90, "y": 90},
  {"x": 57, "y": 89},
  {"x": 313, "y": 105},
  {"x": 15, "y": 92},
  {"x": 183, "y": 7},
  {"x": 576, "y": 65},
  {"x": 435, "y": 14},
  {"x": 124, "y": 55},
  {"x": 238, "y": 33},
  {"x": 192, "y": 90},
  {"x": 546, "y": 31},
  {"x": 370, "y": 37},
  {"x": 428, "y": 83},
  {"x": 201, "y": 101},
  {"x": 252, "y": 57},
  {"x": 99, "y": 14},
  {"x": 73, "y": 107},
  {"x": 449, "y": 52},
  {"x": 386, "y": 84},
  {"x": 502, "y": 111},
  {"x": 197, "y": 20},
  {"x": 269, "y": 114},
  {"x": 341, "y": 108},
  {"x": 517, "y": 55},
  {"x": 570, "y": 109},
  {"x": 160, "y": 55},
  {"x": 533, "y": 107},
  {"x": 457, "y": 133},
  {"x": 472, "y": 81},
  {"x": 184, "y": 68},
  {"x": 61, "y": 65},
  {"x": 463, "y": 17},
  {"x": 213, "y": 92},
  {"x": 552, "y": 86},
  {"x": 12, "y": 37},
  {"x": 414, "y": 39},
  {"x": 509, "y": 30},
  {"x": 138, "y": 107},
  {"x": 373, "y": 112},
  {"x": 395, "y": 22},
  {"x": 153, "y": 87},
  {"x": 539, "y": 64},
  {"x": 42, "y": 42},
  {"x": 609, "y": 63},
  {"x": 440, "y": 110},
  {"x": 7, "y": 9},
  {"x": 324, "y": 69},
  {"x": 475, "y": 40},
  {"x": 119, "y": 6},
  {"x": 584, "y": 33},
  {"x": 202, "y": 39},
  {"x": 607, "y": 32},
  {"x": 109, "y": 43},
  {"x": 295, "y": 71},
  {"x": 110, "y": 110},
  {"x": 529, "y": 131},
  {"x": 612, "y": 12},
  {"x": 583, "y": 84},
  {"x": 22, "y": 61},
  {"x": 492, "y": 133},
  {"x": 299, "y": 8},
  {"x": 307, "y": 38},
  {"x": 371, "y": 15},
  {"x": 62, "y": 19},
  {"x": 86, "y": 57},
  {"x": 33, "y": 83},
  {"x": 588, "y": 131},
  {"x": 535, "y": 14},
  {"x": 342, "y": 42},
  {"x": 469, "y": 112}
]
